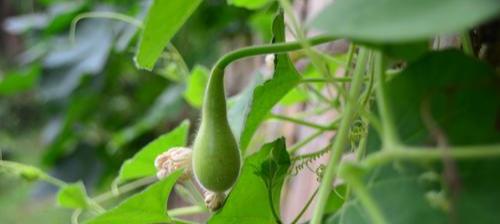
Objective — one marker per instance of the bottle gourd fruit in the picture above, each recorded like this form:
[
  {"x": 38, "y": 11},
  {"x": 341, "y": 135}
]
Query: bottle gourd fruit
[{"x": 216, "y": 158}]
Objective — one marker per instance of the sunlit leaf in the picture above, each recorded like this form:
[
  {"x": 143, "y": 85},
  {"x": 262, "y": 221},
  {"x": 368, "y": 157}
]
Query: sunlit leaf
[
  {"x": 148, "y": 206},
  {"x": 72, "y": 196},
  {"x": 142, "y": 164},
  {"x": 163, "y": 20}
]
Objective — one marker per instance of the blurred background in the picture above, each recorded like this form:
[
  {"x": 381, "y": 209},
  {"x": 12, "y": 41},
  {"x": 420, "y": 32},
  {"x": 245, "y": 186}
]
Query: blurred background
[{"x": 78, "y": 110}]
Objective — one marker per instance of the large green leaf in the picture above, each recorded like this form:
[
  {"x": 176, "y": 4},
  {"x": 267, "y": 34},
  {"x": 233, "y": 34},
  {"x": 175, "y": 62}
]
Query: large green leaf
[
  {"x": 142, "y": 164},
  {"x": 263, "y": 173},
  {"x": 400, "y": 197},
  {"x": 459, "y": 91},
  {"x": 402, "y": 20},
  {"x": 163, "y": 20},
  {"x": 265, "y": 96},
  {"x": 461, "y": 95},
  {"x": 148, "y": 206}
]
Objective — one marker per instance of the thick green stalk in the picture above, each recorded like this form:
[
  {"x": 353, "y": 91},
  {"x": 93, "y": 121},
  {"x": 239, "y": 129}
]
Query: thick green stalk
[
  {"x": 268, "y": 49},
  {"x": 419, "y": 154},
  {"x": 389, "y": 135},
  {"x": 341, "y": 138}
]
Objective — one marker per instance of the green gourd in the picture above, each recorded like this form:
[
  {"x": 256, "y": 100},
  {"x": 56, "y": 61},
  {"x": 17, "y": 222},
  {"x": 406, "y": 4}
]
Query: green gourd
[{"x": 216, "y": 158}]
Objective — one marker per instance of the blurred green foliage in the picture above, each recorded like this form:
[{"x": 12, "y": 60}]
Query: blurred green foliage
[{"x": 78, "y": 110}]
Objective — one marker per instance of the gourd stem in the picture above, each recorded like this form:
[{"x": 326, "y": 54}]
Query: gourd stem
[{"x": 268, "y": 49}]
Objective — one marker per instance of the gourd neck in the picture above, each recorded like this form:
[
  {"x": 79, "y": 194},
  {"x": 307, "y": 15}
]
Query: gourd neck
[{"x": 214, "y": 104}]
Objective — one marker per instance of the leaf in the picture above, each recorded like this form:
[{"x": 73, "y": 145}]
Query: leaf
[
  {"x": 295, "y": 96},
  {"x": 19, "y": 81},
  {"x": 148, "y": 206},
  {"x": 462, "y": 97},
  {"x": 406, "y": 51},
  {"x": 336, "y": 199},
  {"x": 455, "y": 88},
  {"x": 265, "y": 96},
  {"x": 401, "y": 200},
  {"x": 249, "y": 4},
  {"x": 260, "y": 23},
  {"x": 163, "y": 20},
  {"x": 268, "y": 165},
  {"x": 384, "y": 21},
  {"x": 142, "y": 164},
  {"x": 196, "y": 86},
  {"x": 73, "y": 196}
]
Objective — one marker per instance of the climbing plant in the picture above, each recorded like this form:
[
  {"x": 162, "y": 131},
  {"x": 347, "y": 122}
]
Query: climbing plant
[{"x": 422, "y": 122}]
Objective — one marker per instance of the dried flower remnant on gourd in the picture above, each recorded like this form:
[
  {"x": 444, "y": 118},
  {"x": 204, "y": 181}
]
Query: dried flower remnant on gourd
[
  {"x": 172, "y": 160},
  {"x": 214, "y": 200}
]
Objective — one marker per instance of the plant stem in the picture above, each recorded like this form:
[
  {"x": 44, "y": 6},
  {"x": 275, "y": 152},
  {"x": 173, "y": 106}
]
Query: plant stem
[
  {"x": 198, "y": 197},
  {"x": 53, "y": 180},
  {"x": 187, "y": 210},
  {"x": 339, "y": 79},
  {"x": 312, "y": 155},
  {"x": 104, "y": 15},
  {"x": 75, "y": 215},
  {"x": 341, "y": 138},
  {"x": 304, "y": 209},
  {"x": 309, "y": 138},
  {"x": 389, "y": 135},
  {"x": 124, "y": 189},
  {"x": 268, "y": 49},
  {"x": 419, "y": 154},
  {"x": 318, "y": 94},
  {"x": 466, "y": 43},
  {"x": 302, "y": 122}
]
